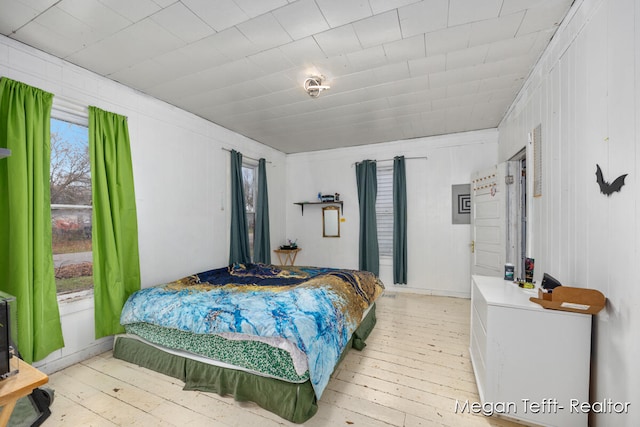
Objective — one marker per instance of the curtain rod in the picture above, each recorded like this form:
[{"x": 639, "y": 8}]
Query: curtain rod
[
  {"x": 390, "y": 160},
  {"x": 247, "y": 157}
]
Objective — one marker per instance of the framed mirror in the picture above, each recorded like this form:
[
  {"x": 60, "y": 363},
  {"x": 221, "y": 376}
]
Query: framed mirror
[{"x": 331, "y": 221}]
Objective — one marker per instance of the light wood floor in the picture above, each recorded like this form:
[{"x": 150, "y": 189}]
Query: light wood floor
[{"x": 414, "y": 368}]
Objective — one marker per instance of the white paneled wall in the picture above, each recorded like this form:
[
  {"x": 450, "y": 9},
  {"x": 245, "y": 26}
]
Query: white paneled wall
[
  {"x": 181, "y": 180},
  {"x": 438, "y": 251},
  {"x": 585, "y": 93}
]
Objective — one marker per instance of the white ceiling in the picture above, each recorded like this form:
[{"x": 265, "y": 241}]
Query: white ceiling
[{"x": 397, "y": 69}]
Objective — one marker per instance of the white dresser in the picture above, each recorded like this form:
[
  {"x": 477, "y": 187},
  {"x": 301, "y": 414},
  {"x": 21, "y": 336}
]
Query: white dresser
[{"x": 530, "y": 363}]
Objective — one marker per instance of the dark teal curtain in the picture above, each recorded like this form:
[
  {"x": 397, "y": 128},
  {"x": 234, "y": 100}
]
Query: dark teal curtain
[
  {"x": 26, "y": 256},
  {"x": 116, "y": 263},
  {"x": 399, "y": 221},
  {"x": 262, "y": 240},
  {"x": 239, "y": 245},
  {"x": 367, "y": 181}
]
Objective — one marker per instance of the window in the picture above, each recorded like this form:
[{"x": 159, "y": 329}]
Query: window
[
  {"x": 384, "y": 210},
  {"x": 250, "y": 187},
  {"x": 71, "y": 205}
]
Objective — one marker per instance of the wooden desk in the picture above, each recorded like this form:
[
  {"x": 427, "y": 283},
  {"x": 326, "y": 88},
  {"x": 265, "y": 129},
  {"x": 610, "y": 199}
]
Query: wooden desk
[
  {"x": 17, "y": 386},
  {"x": 288, "y": 254}
]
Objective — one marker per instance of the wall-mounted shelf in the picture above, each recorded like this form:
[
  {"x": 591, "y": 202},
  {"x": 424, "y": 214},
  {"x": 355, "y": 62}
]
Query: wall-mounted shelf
[
  {"x": 4, "y": 152},
  {"x": 302, "y": 204}
]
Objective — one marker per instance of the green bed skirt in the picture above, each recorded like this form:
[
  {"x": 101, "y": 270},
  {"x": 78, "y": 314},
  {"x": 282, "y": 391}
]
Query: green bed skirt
[{"x": 295, "y": 402}]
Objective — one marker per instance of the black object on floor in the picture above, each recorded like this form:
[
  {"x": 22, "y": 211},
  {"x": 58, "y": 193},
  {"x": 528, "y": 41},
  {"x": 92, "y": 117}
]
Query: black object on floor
[{"x": 32, "y": 410}]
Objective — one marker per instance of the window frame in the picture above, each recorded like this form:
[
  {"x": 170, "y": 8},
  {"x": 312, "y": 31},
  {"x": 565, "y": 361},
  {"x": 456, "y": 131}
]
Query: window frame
[
  {"x": 76, "y": 114},
  {"x": 384, "y": 209},
  {"x": 252, "y": 165}
]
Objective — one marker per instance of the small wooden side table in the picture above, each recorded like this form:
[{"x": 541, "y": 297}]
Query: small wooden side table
[
  {"x": 288, "y": 254},
  {"x": 17, "y": 386}
]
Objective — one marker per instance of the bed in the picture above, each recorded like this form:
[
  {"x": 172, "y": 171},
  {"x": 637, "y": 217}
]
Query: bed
[{"x": 261, "y": 333}]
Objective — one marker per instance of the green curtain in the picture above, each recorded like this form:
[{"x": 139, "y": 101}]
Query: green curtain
[
  {"x": 116, "y": 263},
  {"x": 239, "y": 245},
  {"x": 369, "y": 257},
  {"x": 26, "y": 259},
  {"x": 399, "y": 221},
  {"x": 262, "y": 239}
]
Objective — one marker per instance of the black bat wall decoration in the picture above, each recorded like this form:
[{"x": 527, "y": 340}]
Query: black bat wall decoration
[{"x": 605, "y": 187}]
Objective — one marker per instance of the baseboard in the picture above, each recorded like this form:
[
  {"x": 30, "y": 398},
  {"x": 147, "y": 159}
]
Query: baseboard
[
  {"x": 54, "y": 364},
  {"x": 437, "y": 293}
]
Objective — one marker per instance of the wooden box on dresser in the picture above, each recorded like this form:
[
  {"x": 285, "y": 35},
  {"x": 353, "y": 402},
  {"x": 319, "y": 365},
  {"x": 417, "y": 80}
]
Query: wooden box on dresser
[{"x": 530, "y": 363}]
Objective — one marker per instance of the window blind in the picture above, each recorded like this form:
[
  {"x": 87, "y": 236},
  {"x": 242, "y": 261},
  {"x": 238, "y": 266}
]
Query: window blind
[{"x": 384, "y": 210}]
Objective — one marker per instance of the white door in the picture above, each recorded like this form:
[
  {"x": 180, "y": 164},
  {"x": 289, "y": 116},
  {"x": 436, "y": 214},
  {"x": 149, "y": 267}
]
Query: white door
[{"x": 488, "y": 221}]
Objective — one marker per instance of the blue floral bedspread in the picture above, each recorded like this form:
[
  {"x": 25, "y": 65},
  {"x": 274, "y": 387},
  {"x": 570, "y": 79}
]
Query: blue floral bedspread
[{"x": 318, "y": 309}]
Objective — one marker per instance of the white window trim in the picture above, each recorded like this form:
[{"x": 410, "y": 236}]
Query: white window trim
[{"x": 70, "y": 111}]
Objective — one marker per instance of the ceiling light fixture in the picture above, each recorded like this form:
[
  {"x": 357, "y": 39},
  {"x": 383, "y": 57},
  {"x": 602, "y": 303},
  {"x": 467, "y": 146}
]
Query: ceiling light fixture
[{"x": 313, "y": 85}]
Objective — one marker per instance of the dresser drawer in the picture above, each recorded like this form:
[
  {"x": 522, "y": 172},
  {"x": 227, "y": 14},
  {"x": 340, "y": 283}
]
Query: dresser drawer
[
  {"x": 478, "y": 333},
  {"x": 479, "y": 305},
  {"x": 479, "y": 367}
]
